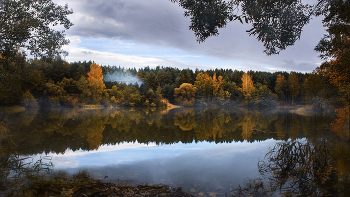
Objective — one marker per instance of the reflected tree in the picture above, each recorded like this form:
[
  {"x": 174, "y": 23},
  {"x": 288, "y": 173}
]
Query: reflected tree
[
  {"x": 341, "y": 124},
  {"x": 295, "y": 128},
  {"x": 16, "y": 171},
  {"x": 248, "y": 124},
  {"x": 280, "y": 128},
  {"x": 185, "y": 119},
  {"x": 301, "y": 168},
  {"x": 94, "y": 135},
  {"x": 6, "y": 158},
  {"x": 212, "y": 125},
  {"x": 54, "y": 130}
]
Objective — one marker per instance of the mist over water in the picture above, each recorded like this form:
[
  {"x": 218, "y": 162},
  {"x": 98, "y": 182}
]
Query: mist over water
[{"x": 122, "y": 77}]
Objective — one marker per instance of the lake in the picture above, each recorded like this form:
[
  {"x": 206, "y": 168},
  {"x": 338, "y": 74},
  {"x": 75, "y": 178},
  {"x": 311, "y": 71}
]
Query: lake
[{"x": 203, "y": 150}]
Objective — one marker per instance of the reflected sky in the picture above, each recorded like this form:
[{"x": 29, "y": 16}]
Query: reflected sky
[{"x": 204, "y": 166}]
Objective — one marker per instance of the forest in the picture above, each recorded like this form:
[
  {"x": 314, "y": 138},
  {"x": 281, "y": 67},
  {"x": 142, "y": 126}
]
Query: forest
[
  {"x": 220, "y": 105},
  {"x": 55, "y": 82},
  {"x": 46, "y": 80}
]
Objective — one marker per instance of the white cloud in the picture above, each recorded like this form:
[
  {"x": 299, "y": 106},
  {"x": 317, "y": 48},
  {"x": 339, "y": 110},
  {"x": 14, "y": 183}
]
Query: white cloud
[
  {"x": 107, "y": 58},
  {"x": 161, "y": 24}
]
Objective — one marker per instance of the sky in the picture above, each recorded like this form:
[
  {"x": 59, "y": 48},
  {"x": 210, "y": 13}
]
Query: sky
[{"x": 139, "y": 33}]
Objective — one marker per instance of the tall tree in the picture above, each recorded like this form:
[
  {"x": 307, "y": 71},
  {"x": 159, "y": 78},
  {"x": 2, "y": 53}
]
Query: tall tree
[
  {"x": 335, "y": 46},
  {"x": 281, "y": 87},
  {"x": 204, "y": 85},
  {"x": 96, "y": 84},
  {"x": 152, "y": 81},
  {"x": 208, "y": 87},
  {"x": 217, "y": 82},
  {"x": 28, "y": 24},
  {"x": 294, "y": 86},
  {"x": 247, "y": 87}
]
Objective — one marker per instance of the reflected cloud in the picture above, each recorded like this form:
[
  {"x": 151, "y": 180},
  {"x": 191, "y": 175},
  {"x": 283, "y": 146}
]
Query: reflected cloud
[
  {"x": 201, "y": 165},
  {"x": 105, "y": 148},
  {"x": 131, "y": 153}
]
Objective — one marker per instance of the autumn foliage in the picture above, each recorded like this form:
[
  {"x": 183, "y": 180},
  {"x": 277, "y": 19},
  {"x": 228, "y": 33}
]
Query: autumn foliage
[
  {"x": 185, "y": 94},
  {"x": 247, "y": 87},
  {"x": 96, "y": 84},
  {"x": 341, "y": 124},
  {"x": 208, "y": 86},
  {"x": 76, "y": 84}
]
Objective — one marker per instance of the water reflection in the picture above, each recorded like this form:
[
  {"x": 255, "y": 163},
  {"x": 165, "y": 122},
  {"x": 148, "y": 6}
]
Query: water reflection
[
  {"x": 57, "y": 130},
  {"x": 203, "y": 166},
  {"x": 308, "y": 168},
  {"x": 340, "y": 125},
  {"x": 195, "y": 148}
]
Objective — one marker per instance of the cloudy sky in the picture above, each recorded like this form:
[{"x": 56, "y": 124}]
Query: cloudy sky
[{"x": 139, "y": 33}]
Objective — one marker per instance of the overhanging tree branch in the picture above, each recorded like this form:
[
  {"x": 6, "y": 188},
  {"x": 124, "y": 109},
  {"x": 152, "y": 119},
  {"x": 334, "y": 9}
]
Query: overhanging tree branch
[{"x": 27, "y": 24}]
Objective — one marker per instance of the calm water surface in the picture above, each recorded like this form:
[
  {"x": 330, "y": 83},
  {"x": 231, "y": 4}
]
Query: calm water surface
[{"x": 201, "y": 150}]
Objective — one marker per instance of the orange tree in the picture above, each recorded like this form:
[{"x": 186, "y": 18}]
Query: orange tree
[
  {"x": 247, "y": 87},
  {"x": 96, "y": 84}
]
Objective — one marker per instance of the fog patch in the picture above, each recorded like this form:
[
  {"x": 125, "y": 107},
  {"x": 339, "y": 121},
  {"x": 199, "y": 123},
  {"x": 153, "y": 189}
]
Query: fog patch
[{"x": 122, "y": 77}]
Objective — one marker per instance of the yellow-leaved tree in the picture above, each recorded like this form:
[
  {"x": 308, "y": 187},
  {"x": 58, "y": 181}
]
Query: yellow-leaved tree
[
  {"x": 185, "y": 94},
  {"x": 96, "y": 84},
  {"x": 247, "y": 87},
  {"x": 208, "y": 87}
]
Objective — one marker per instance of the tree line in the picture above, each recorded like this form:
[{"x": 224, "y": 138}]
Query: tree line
[{"x": 59, "y": 83}]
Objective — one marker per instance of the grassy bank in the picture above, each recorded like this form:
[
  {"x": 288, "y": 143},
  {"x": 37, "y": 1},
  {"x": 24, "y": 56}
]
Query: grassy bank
[{"x": 82, "y": 184}]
